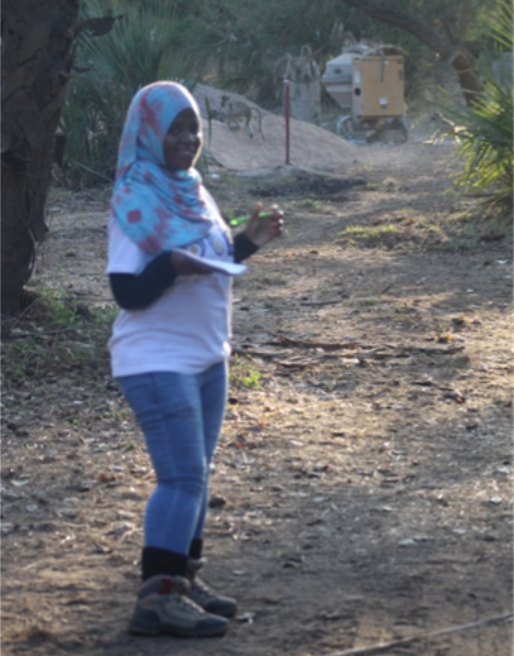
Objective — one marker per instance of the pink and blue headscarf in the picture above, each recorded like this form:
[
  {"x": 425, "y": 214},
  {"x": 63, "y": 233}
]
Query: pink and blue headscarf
[{"x": 157, "y": 209}]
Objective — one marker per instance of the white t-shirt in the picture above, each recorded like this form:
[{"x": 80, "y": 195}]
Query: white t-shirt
[{"x": 188, "y": 328}]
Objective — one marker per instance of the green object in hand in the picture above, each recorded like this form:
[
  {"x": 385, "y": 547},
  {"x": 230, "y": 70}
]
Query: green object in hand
[{"x": 243, "y": 219}]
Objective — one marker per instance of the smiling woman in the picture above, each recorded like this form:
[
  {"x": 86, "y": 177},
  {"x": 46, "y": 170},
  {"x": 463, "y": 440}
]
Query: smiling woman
[
  {"x": 171, "y": 255},
  {"x": 183, "y": 141}
]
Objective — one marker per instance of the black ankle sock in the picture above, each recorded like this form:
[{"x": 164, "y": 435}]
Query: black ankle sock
[
  {"x": 195, "y": 550},
  {"x": 157, "y": 561}
]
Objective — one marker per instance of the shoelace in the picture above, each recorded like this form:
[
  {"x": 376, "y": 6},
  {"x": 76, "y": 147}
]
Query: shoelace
[
  {"x": 180, "y": 590},
  {"x": 185, "y": 602},
  {"x": 189, "y": 603},
  {"x": 199, "y": 587}
]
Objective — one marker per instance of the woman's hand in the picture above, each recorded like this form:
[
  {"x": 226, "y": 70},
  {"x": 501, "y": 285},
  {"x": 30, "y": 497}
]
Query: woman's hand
[
  {"x": 185, "y": 266},
  {"x": 263, "y": 229}
]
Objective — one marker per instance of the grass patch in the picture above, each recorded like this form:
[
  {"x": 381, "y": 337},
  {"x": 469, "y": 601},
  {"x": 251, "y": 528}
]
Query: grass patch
[
  {"x": 54, "y": 335},
  {"x": 459, "y": 229},
  {"x": 265, "y": 279},
  {"x": 309, "y": 204},
  {"x": 371, "y": 236},
  {"x": 243, "y": 374},
  {"x": 365, "y": 301}
]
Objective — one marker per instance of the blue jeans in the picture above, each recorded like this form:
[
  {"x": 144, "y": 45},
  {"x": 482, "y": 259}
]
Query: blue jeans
[{"x": 181, "y": 417}]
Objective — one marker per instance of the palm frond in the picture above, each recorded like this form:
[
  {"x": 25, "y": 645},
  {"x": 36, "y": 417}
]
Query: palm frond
[
  {"x": 139, "y": 50},
  {"x": 486, "y": 137}
]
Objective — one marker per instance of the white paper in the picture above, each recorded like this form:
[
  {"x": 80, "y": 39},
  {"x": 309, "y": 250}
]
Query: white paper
[{"x": 230, "y": 268}]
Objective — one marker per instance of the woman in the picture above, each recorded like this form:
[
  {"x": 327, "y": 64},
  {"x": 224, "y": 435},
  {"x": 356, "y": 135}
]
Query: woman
[{"x": 169, "y": 345}]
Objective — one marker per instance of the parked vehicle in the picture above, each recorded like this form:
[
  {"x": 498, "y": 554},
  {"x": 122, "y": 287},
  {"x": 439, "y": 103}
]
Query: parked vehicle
[{"x": 368, "y": 84}]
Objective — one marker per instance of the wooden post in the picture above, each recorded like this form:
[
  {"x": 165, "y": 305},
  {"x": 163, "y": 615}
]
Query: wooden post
[{"x": 286, "y": 116}]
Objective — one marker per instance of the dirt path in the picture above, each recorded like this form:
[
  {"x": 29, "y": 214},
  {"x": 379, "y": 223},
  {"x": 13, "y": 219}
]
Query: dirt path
[{"x": 362, "y": 489}]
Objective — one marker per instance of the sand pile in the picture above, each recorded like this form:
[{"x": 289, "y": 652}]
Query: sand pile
[{"x": 311, "y": 147}]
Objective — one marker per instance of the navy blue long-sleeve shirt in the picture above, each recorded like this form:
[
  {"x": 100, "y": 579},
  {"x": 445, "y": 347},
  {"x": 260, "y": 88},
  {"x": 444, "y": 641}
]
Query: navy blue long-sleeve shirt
[{"x": 139, "y": 291}]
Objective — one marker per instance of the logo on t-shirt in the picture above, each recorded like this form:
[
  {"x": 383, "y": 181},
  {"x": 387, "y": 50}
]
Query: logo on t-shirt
[
  {"x": 197, "y": 248},
  {"x": 217, "y": 245}
]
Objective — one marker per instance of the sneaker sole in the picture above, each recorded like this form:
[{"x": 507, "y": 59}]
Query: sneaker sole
[
  {"x": 222, "y": 610},
  {"x": 150, "y": 627},
  {"x": 179, "y": 632}
]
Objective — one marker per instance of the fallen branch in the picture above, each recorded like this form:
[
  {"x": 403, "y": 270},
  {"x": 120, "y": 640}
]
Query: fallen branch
[
  {"x": 307, "y": 343},
  {"x": 432, "y": 350},
  {"x": 298, "y": 364},
  {"x": 351, "y": 349},
  {"x": 377, "y": 351},
  {"x": 406, "y": 351},
  {"x": 386, "y": 646},
  {"x": 259, "y": 353},
  {"x": 333, "y": 301},
  {"x": 41, "y": 336}
]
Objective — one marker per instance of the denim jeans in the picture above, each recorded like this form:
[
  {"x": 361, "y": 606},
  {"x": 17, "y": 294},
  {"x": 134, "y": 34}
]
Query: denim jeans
[{"x": 181, "y": 417}]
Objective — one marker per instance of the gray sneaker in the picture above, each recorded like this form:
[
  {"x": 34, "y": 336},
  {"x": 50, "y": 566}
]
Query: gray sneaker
[
  {"x": 204, "y": 596},
  {"x": 163, "y": 607}
]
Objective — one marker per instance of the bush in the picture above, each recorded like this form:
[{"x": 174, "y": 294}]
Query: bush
[
  {"x": 486, "y": 138},
  {"x": 139, "y": 50}
]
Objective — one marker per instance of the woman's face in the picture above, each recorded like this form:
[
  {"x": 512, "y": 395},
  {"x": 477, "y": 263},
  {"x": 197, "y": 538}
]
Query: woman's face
[{"x": 183, "y": 141}]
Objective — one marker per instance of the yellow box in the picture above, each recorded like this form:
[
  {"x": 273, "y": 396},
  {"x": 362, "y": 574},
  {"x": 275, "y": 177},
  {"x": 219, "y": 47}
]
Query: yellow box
[{"x": 378, "y": 87}]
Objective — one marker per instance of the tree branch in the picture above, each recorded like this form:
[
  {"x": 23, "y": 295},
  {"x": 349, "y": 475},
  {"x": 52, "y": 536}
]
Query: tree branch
[
  {"x": 387, "y": 646},
  {"x": 419, "y": 29},
  {"x": 454, "y": 51}
]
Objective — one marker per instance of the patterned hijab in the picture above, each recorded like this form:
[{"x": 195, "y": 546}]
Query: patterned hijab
[{"x": 157, "y": 209}]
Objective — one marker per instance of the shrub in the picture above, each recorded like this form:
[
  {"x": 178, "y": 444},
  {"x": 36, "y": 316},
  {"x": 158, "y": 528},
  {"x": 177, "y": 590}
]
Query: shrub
[
  {"x": 139, "y": 50},
  {"x": 486, "y": 135}
]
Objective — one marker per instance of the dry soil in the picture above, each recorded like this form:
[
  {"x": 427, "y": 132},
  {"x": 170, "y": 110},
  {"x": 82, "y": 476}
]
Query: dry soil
[{"x": 362, "y": 487}]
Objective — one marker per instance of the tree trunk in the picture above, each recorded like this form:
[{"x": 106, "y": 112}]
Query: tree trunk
[
  {"x": 37, "y": 56},
  {"x": 455, "y": 52}
]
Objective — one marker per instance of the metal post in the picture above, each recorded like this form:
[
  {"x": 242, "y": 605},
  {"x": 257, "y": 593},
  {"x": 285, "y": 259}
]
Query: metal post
[{"x": 286, "y": 116}]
